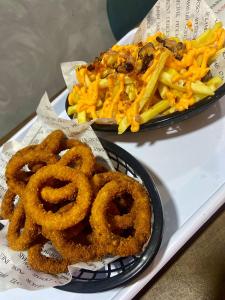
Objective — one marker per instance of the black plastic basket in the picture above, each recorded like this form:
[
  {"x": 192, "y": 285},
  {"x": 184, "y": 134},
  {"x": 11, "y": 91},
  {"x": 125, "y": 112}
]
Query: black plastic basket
[
  {"x": 123, "y": 269},
  {"x": 170, "y": 119}
]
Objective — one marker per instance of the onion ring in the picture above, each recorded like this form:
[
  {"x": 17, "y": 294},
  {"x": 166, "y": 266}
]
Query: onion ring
[
  {"x": 113, "y": 243},
  {"x": 56, "y": 195},
  {"x": 25, "y": 150},
  {"x": 42, "y": 263},
  {"x": 18, "y": 161},
  {"x": 33, "y": 167},
  {"x": 70, "y": 232},
  {"x": 77, "y": 150},
  {"x": 18, "y": 240},
  {"x": 57, "y": 220},
  {"x": 54, "y": 142},
  {"x": 99, "y": 180},
  {"x": 80, "y": 152},
  {"x": 7, "y": 205},
  {"x": 69, "y": 243},
  {"x": 70, "y": 143}
]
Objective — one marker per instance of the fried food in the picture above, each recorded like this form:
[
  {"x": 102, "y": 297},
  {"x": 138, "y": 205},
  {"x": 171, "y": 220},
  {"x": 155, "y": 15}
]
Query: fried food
[
  {"x": 115, "y": 244},
  {"x": 21, "y": 239},
  {"x": 63, "y": 220},
  {"x": 133, "y": 84},
  {"x": 55, "y": 192},
  {"x": 74, "y": 245},
  {"x": 99, "y": 180},
  {"x": 7, "y": 205},
  {"x": 58, "y": 193},
  {"x": 42, "y": 263},
  {"x": 121, "y": 217},
  {"x": 54, "y": 142},
  {"x": 79, "y": 158},
  {"x": 18, "y": 161},
  {"x": 70, "y": 143}
]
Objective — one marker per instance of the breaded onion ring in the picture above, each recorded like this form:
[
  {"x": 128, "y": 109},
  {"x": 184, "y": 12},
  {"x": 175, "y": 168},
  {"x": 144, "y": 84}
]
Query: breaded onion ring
[
  {"x": 42, "y": 263},
  {"x": 113, "y": 243},
  {"x": 17, "y": 162},
  {"x": 25, "y": 150},
  {"x": 7, "y": 205},
  {"x": 70, "y": 247},
  {"x": 54, "y": 142},
  {"x": 57, "y": 220},
  {"x": 122, "y": 222},
  {"x": 80, "y": 158},
  {"x": 56, "y": 195},
  {"x": 17, "y": 239},
  {"x": 99, "y": 180},
  {"x": 78, "y": 153},
  {"x": 70, "y": 232},
  {"x": 70, "y": 143}
]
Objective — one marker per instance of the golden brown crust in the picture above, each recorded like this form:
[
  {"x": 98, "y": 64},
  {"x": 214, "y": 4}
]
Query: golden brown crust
[
  {"x": 18, "y": 161},
  {"x": 115, "y": 244},
  {"x": 17, "y": 239},
  {"x": 58, "y": 220},
  {"x": 7, "y": 205},
  {"x": 42, "y": 263},
  {"x": 79, "y": 158}
]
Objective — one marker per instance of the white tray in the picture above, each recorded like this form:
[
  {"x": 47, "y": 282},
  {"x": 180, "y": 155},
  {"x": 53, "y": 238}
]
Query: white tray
[{"x": 188, "y": 165}]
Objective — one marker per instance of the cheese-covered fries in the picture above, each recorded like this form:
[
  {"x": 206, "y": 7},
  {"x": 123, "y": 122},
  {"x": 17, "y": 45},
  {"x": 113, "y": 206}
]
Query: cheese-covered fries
[{"x": 135, "y": 83}]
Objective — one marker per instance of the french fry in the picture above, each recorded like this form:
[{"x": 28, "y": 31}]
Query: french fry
[
  {"x": 167, "y": 79},
  {"x": 218, "y": 53},
  {"x": 199, "y": 87},
  {"x": 103, "y": 83},
  {"x": 148, "y": 91},
  {"x": 169, "y": 111},
  {"x": 87, "y": 80},
  {"x": 214, "y": 83},
  {"x": 71, "y": 110},
  {"x": 163, "y": 89},
  {"x": 81, "y": 117},
  {"x": 206, "y": 37},
  {"x": 123, "y": 125},
  {"x": 153, "y": 80},
  {"x": 131, "y": 91},
  {"x": 154, "y": 111}
]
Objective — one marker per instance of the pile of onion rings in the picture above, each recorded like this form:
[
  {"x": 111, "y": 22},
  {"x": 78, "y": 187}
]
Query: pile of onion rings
[{"x": 58, "y": 193}]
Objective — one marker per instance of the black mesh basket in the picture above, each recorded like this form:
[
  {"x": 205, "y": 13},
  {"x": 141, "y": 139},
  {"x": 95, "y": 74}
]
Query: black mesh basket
[{"x": 124, "y": 269}]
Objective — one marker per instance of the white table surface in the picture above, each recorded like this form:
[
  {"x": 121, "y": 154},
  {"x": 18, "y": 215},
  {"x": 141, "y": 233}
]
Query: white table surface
[{"x": 187, "y": 163}]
